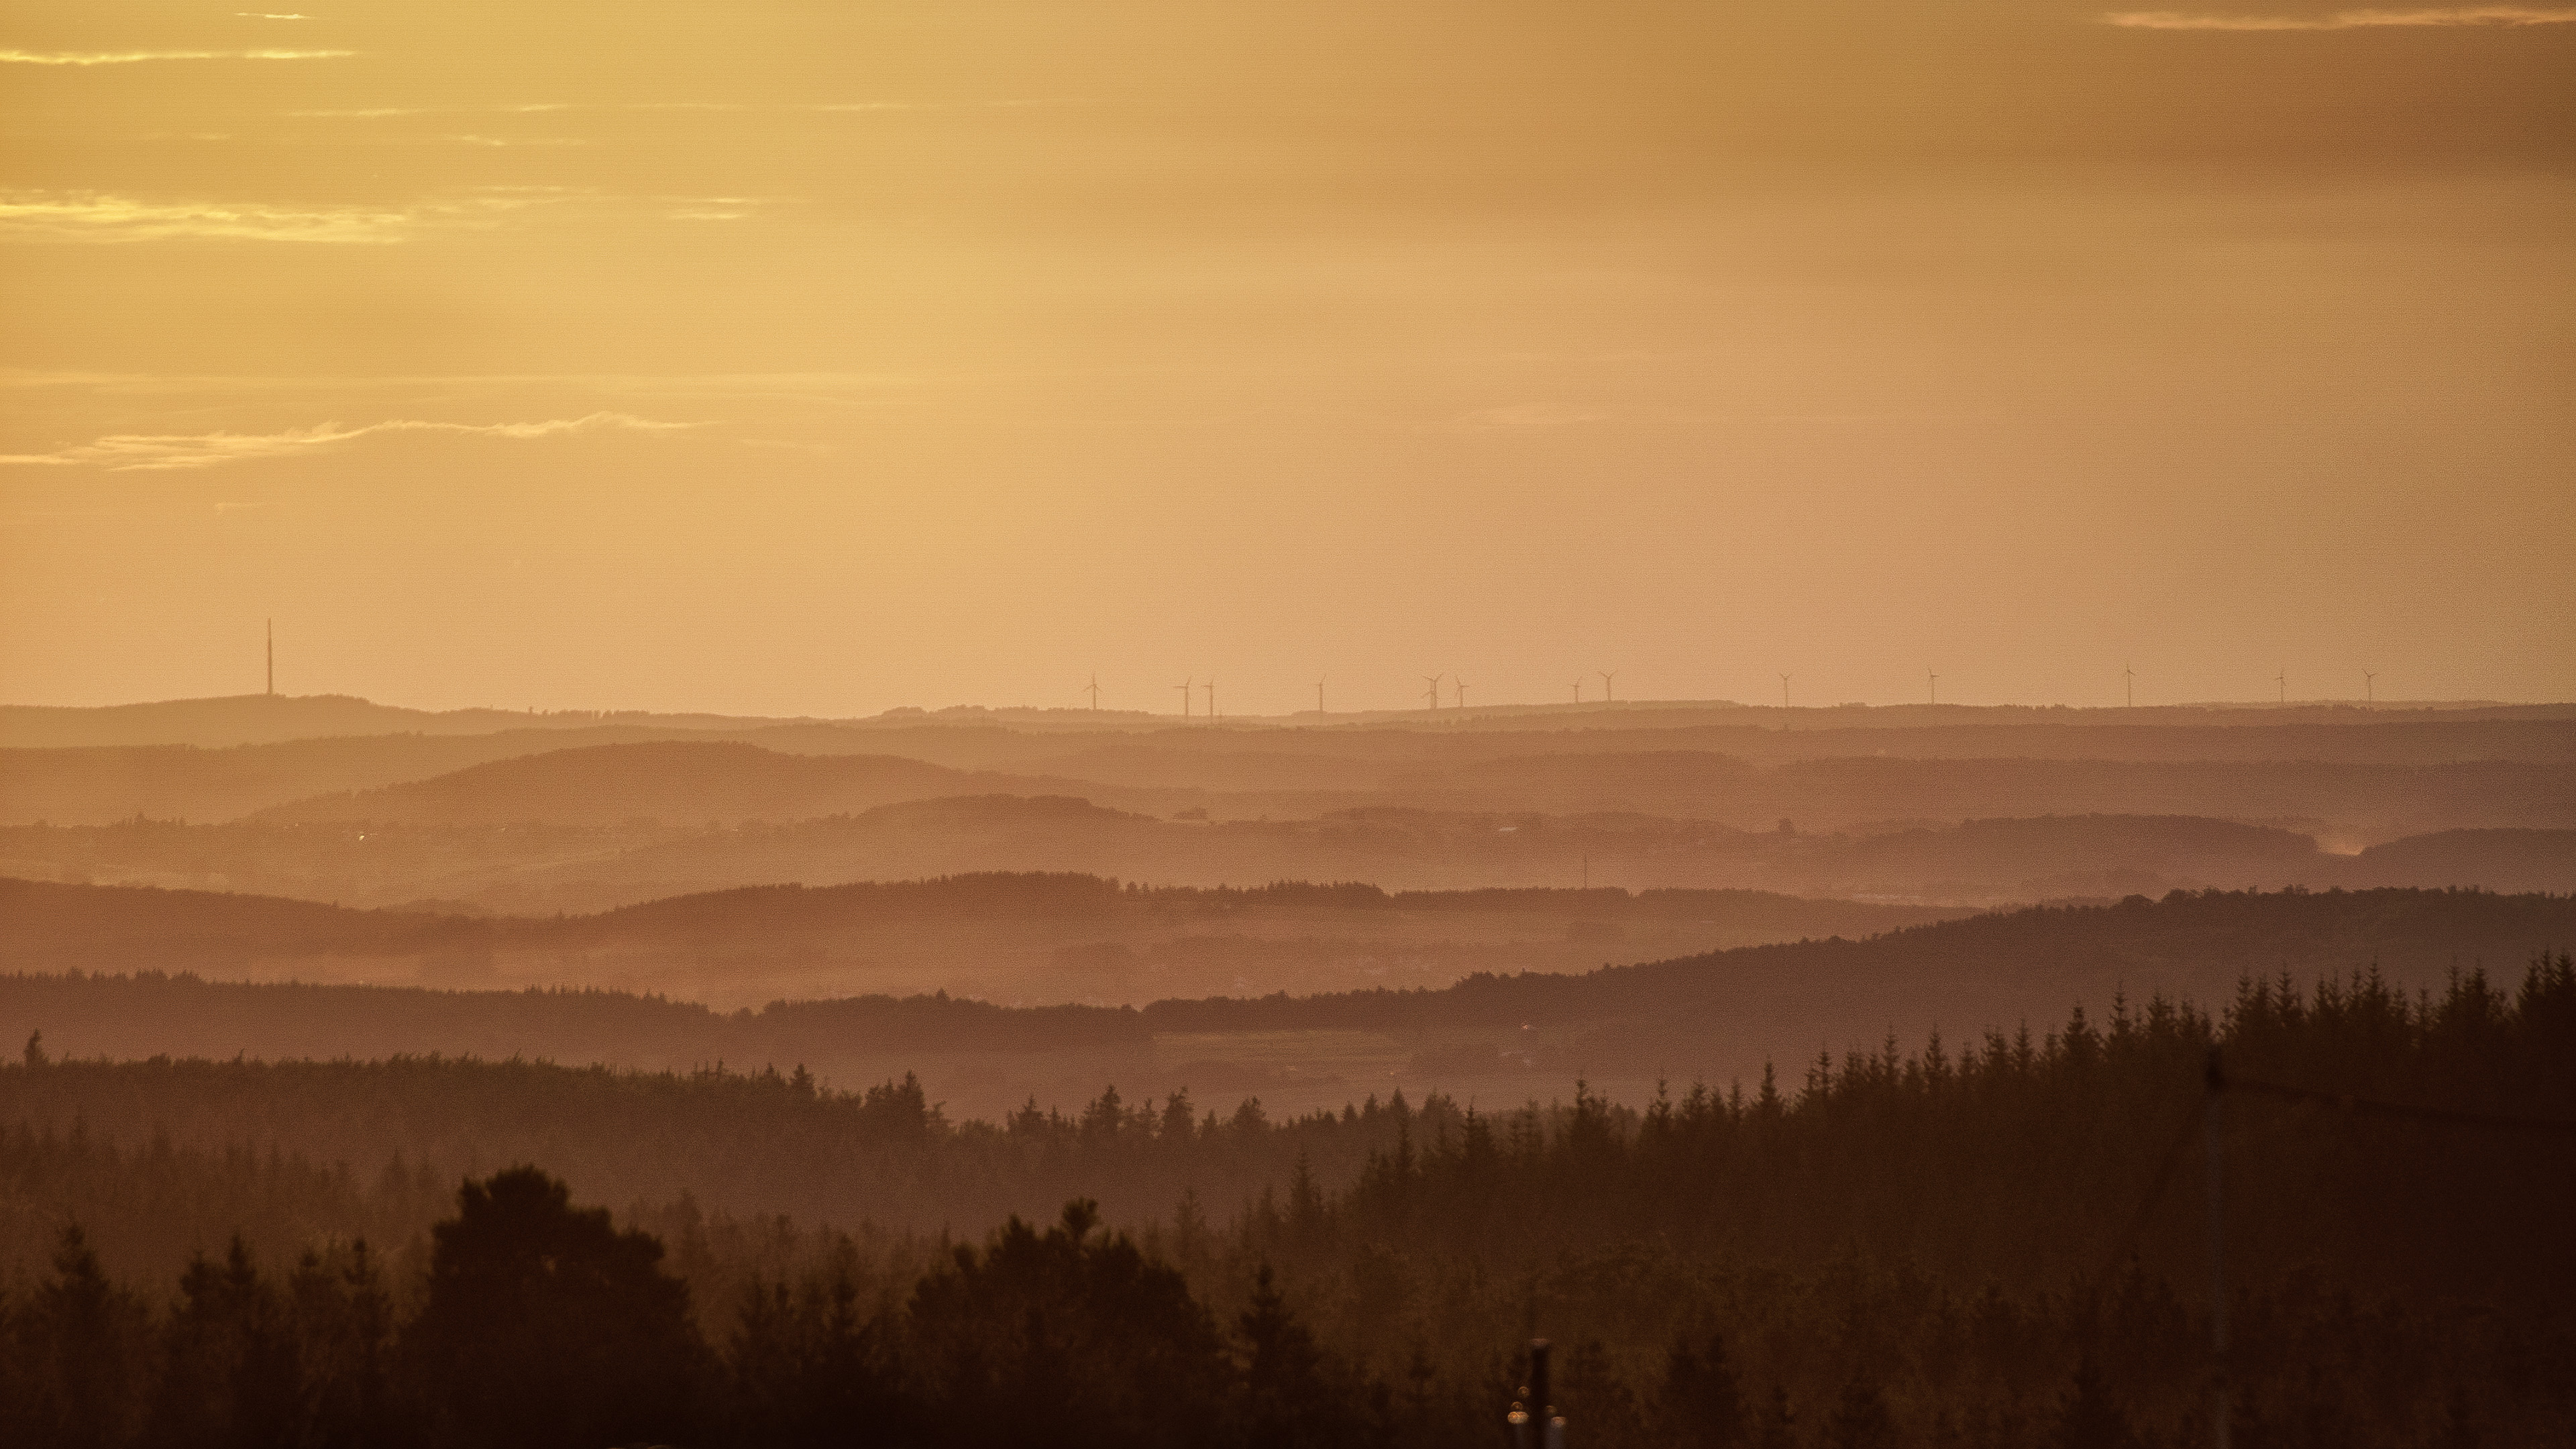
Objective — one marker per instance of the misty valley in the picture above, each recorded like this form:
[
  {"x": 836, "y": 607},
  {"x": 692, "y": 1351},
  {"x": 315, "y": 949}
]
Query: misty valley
[{"x": 1826, "y": 1078}]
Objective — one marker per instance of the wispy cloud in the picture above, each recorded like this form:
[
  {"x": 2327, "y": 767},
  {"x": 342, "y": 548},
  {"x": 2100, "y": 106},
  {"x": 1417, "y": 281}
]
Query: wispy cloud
[
  {"x": 94, "y": 217},
  {"x": 119, "y": 219},
  {"x": 149, "y": 452},
  {"x": 812, "y": 386},
  {"x": 2495, "y": 16},
  {"x": 131, "y": 57},
  {"x": 470, "y": 140},
  {"x": 540, "y": 108}
]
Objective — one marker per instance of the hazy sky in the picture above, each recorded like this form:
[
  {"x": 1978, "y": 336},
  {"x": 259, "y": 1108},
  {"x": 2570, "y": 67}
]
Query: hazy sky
[{"x": 826, "y": 356}]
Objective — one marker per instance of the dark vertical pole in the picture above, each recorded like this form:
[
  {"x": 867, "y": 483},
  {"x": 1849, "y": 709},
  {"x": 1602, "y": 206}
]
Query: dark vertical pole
[
  {"x": 2217, "y": 1255},
  {"x": 1542, "y": 1406},
  {"x": 1533, "y": 1419}
]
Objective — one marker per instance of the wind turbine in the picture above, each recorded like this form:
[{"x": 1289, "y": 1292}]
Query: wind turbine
[
  {"x": 1433, "y": 693},
  {"x": 1460, "y": 685},
  {"x": 2370, "y": 686},
  {"x": 1784, "y": 691},
  {"x": 1932, "y": 682},
  {"x": 1578, "y": 691},
  {"x": 1319, "y": 694},
  {"x": 1184, "y": 688},
  {"x": 1210, "y": 687},
  {"x": 1609, "y": 692},
  {"x": 1095, "y": 693},
  {"x": 2284, "y": 678},
  {"x": 2129, "y": 680}
]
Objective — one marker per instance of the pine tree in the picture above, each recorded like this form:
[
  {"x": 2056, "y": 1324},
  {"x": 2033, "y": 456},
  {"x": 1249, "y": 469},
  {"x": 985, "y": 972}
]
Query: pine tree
[
  {"x": 2091, "y": 1420},
  {"x": 81, "y": 1350},
  {"x": 1779, "y": 1426},
  {"x": 546, "y": 1325},
  {"x": 1860, "y": 1419},
  {"x": 1701, "y": 1405}
]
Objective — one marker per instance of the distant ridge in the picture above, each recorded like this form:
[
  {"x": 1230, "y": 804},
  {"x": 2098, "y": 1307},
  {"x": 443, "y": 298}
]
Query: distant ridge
[
  {"x": 258, "y": 719},
  {"x": 54, "y": 926},
  {"x": 1716, "y": 1015},
  {"x": 1963, "y": 974},
  {"x": 685, "y": 780},
  {"x": 268, "y": 719}
]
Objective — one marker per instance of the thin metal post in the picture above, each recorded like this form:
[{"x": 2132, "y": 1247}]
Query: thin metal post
[
  {"x": 2217, "y": 1079},
  {"x": 1533, "y": 1418}
]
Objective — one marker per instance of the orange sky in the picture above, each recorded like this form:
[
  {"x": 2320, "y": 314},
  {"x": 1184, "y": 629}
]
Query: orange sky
[{"x": 818, "y": 357}]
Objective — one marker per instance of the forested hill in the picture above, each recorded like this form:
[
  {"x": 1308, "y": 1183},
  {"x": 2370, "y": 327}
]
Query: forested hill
[
  {"x": 1719, "y": 1015},
  {"x": 54, "y": 926},
  {"x": 663, "y": 779},
  {"x": 2189, "y": 944},
  {"x": 266, "y": 718}
]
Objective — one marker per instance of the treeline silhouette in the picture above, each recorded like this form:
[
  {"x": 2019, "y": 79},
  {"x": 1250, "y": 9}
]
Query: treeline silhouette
[
  {"x": 89, "y": 927},
  {"x": 2202, "y": 940},
  {"x": 1994, "y": 1243},
  {"x": 541, "y": 869},
  {"x": 1683, "y": 1014}
]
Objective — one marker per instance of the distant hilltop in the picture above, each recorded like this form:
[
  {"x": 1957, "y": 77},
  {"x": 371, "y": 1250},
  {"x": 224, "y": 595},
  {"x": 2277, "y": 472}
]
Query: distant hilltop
[{"x": 252, "y": 719}]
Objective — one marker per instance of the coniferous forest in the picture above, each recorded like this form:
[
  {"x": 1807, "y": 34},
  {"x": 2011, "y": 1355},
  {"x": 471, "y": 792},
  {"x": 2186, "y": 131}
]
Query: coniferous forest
[{"x": 1996, "y": 1242}]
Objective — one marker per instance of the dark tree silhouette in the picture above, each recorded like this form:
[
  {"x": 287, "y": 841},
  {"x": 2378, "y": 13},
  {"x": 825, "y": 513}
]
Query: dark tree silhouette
[
  {"x": 2092, "y": 1419},
  {"x": 1860, "y": 1419},
  {"x": 1294, "y": 1397},
  {"x": 77, "y": 1355},
  {"x": 1065, "y": 1338},
  {"x": 1701, "y": 1405},
  {"x": 807, "y": 1369},
  {"x": 544, "y": 1325},
  {"x": 231, "y": 1376},
  {"x": 1779, "y": 1427}
]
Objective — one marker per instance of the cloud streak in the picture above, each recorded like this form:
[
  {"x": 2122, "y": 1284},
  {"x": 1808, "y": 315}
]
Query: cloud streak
[
  {"x": 2506, "y": 17},
  {"x": 150, "y": 452},
  {"x": 90, "y": 217},
  {"x": 133, "y": 57},
  {"x": 540, "y": 108},
  {"x": 100, "y": 218}
]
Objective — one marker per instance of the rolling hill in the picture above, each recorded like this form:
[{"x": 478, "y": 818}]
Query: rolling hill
[{"x": 1498, "y": 1036}]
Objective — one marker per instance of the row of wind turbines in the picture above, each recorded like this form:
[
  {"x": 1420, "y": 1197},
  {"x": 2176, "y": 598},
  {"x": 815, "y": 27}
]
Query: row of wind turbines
[
  {"x": 1609, "y": 689},
  {"x": 1430, "y": 694}
]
